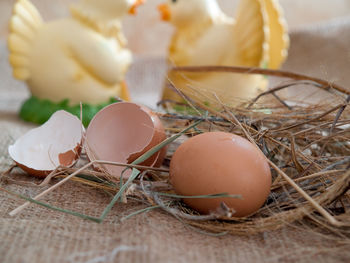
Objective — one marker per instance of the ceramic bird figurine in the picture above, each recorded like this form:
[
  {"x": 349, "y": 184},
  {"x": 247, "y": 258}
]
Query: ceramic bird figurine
[
  {"x": 204, "y": 35},
  {"x": 82, "y": 58}
]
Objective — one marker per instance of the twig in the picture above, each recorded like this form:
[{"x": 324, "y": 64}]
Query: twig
[
  {"x": 281, "y": 101},
  {"x": 337, "y": 117},
  {"x": 26, "y": 204},
  {"x": 176, "y": 212},
  {"x": 340, "y": 123},
  {"x": 339, "y": 113},
  {"x": 334, "y": 165},
  {"x": 8, "y": 171},
  {"x": 278, "y": 88},
  {"x": 52, "y": 188},
  {"x": 311, "y": 176},
  {"x": 326, "y": 138},
  {"x": 174, "y": 116},
  {"x": 319, "y": 208},
  {"x": 52, "y": 175},
  {"x": 222, "y": 115},
  {"x": 316, "y": 205},
  {"x": 134, "y": 174},
  {"x": 310, "y": 120},
  {"x": 249, "y": 70},
  {"x": 97, "y": 220},
  {"x": 183, "y": 95},
  {"x": 298, "y": 166}
]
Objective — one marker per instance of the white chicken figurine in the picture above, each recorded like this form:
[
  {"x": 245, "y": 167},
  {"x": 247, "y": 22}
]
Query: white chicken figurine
[
  {"x": 82, "y": 58},
  {"x": 206, "y": 36}
]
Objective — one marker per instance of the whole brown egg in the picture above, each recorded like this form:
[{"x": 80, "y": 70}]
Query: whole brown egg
[{"x": 219, "y": 162}]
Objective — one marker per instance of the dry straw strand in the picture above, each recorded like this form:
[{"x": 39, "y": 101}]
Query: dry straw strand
[{"x": 307, "y": 147}]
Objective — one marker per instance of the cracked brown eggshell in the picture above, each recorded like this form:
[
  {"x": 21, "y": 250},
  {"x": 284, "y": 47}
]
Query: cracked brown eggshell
[
  {"x": 219, "y": 162},
  {"x": 122, "y": 132},
  {"x": 55, "y": 143}
]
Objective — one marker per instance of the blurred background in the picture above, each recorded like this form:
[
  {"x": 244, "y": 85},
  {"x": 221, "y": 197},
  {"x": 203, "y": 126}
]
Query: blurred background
[{"x": 147, "y": 34}]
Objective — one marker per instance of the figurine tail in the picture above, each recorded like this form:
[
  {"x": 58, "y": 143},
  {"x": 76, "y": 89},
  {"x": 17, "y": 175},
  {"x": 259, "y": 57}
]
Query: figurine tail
[
  {"x": 279, "y": 39},
  {"x": 24, "y": 24},
  {"x": 251, "y": 34},
  {"x": 261, "y": 34}
]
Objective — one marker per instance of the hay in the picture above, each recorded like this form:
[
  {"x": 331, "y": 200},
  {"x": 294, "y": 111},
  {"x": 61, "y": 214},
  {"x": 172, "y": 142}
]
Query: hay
[{"x": 308, "y": 147}]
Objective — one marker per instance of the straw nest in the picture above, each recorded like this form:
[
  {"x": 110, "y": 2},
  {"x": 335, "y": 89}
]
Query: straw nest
[{"x": 308, "y": 147}]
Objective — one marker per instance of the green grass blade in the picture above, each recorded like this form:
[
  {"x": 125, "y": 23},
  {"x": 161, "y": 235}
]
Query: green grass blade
[
  {"x": 145, "y": 210},
  {"x": 158, "y": 147},
  {"x": 95, "y": 219},
  {"x": 132, "y": 177},
  {"x": 115, "y": 199},
  {"x": 213, "y": 196},
  {"x": 139, "y": 160}
]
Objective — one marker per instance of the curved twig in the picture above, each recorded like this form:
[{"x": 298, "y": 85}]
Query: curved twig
[{"x": 326, "y": 85}]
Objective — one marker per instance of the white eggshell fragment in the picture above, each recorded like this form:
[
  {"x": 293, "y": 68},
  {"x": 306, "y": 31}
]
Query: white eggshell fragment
[
  {"x": 122, "y": 132},
  {"x": 56, "y": 143}
]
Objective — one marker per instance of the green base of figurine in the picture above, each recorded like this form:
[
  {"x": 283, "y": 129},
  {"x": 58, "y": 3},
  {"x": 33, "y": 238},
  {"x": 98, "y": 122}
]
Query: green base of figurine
[{"x": 39, "y": 111}]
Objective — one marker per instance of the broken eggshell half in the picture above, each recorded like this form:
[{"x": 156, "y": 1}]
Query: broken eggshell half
[
  {"x": 121, "y": 133},
  {"x": 56, "y": 143}
]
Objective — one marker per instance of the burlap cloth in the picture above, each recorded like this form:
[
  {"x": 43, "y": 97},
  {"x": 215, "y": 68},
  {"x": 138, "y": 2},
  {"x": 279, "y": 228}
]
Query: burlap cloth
[{"x": 42, "y": 235}]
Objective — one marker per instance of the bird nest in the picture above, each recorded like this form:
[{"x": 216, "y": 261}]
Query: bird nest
[{"x": 307, "y": 146}]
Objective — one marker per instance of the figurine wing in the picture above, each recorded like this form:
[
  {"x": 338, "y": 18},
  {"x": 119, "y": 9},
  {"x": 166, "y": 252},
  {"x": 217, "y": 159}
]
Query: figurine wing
[
  {"x": 103, "y": 59},
  {"x": 250, "y": 35},
  {"x": 24, "y": 25},
  {"x": 278, "y": 40}
]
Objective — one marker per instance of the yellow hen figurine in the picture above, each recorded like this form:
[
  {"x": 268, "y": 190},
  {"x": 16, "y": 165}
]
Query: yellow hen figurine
[
  {"x": 82, "y": 58},
  {"x": 206, "y": 36}
]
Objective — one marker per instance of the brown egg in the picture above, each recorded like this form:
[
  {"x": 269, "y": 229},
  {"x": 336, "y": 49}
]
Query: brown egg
[
  {"x": 122, "y": 132},
  {"x": 56, "y": 143},
  {"x": 218, "y": 162}
]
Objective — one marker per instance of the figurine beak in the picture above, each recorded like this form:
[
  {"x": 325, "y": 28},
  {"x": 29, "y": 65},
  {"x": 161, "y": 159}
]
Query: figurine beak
[
  {"x": 165, "y": 12},
  {"x": 133, "y": 8}
]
